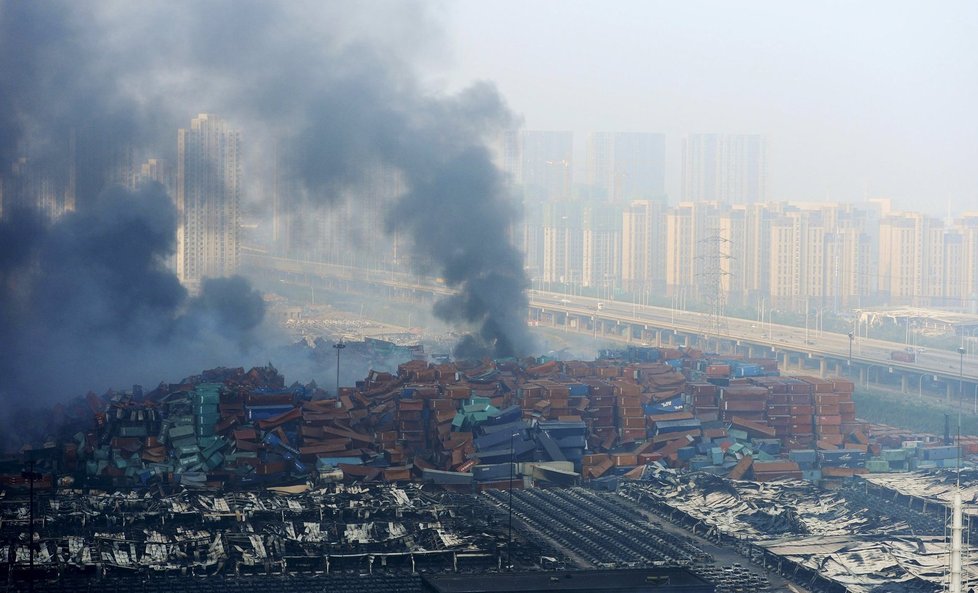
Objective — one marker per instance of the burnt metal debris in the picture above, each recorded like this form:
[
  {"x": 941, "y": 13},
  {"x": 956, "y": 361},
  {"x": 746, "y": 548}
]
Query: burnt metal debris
[
  {"x": 380, "y": 529},
  {"x": 334, "y": 529},
  {"x": 855, "y": 539}
]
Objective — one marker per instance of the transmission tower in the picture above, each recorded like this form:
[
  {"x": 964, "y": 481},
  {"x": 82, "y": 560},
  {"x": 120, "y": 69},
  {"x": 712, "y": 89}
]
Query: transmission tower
[{"x": 715, "y": 256}]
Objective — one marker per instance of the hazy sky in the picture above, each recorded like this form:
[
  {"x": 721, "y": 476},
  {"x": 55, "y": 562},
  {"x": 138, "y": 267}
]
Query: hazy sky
[{"x": 855, "y": 98}]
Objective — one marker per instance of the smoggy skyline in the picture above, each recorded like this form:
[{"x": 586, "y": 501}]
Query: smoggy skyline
[{"x": 855, "y": 99}]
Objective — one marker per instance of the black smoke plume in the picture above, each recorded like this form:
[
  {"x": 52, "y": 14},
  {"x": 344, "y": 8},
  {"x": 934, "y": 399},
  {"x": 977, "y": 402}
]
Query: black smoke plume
[
  {"x": 88, "y": 297},
  {"x": 88, "y": 300}
]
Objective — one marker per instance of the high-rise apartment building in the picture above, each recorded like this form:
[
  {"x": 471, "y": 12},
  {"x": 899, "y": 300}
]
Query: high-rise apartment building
[
  {"x": 692, "y": 233},
  {"x": 726, "y": 168},
  {"x": 746, "y": 249},
  {"x": 681, "y": 242},
  {"x": 626, "y": 166},
  {"x": 908, "y": 246},
  {"x": 99, "y": 157},
  {"x": 850, "y": 271},
  {"x": 951, "y": 270},
  {"x": 601, "y": 244},
  {"x": 785, "y": 259},
  {"x": 538, "y": 167},
  {"x": 539, "y": 163},
  {"x": 820, "y": 255},
  {"x": 208, "y": 197},
  {"x": 38, "y": 182},
  {"x": 967, "y": 227},
  {"x": 27, "y": 185},
  {"x": 562, "y": 243},
  {"x": 349, "y": 231},
  {"x": 157, "y": 170},
  {"x": 643, "y": 247}
]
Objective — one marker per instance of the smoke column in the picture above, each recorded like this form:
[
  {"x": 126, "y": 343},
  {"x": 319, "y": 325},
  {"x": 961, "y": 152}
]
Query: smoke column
[{"x": 86, "y": 298}]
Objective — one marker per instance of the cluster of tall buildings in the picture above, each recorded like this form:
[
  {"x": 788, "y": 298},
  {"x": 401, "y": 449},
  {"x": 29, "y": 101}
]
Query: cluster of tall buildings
[
  {"x": 724, "y": 239},
  {"x": 205, "y": 184},
  {"x": 625, "y": 166},
  {"x": 609, "y": 229}
]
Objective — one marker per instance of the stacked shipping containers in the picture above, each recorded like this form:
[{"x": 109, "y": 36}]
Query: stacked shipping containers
[
  {"x": 704, "y": 399},
  {"x": 629, "y": 414}
]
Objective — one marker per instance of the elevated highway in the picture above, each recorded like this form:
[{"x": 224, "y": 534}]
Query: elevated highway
[{"x": 798, "y": 351}]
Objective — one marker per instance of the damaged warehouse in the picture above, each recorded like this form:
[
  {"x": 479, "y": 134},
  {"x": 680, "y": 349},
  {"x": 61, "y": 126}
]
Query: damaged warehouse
[{"x": 336, "y": 528}]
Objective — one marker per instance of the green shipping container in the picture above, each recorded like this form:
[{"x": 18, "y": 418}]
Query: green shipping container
[{"x": 878, "y": 466}]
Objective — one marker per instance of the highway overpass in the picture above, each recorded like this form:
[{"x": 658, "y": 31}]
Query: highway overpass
[{"x": 798, "y": 350}]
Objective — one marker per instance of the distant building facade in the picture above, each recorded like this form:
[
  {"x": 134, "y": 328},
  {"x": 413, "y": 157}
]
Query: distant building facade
[
  {"x": 538, "y": 168},
  {"x": 643, "y": 250},
  {"x": 208, "y": 199},
  {"x": 540, "y": 163},
  {"x": 158, "y": 170},
  {"x": 725, "y": 168},
  {"x": 626, "y": 166}
]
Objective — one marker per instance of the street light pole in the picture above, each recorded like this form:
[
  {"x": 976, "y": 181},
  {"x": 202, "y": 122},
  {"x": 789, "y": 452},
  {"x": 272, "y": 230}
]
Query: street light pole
[
  {"x": 30, "y": 475},
  {"x": 512, "y": 462},
  {"x": 850, "y": 351},
  {"x": 806, "y": 320},
  {"x": 339, "y": 347},
  {"x": 961, "y": 376}
]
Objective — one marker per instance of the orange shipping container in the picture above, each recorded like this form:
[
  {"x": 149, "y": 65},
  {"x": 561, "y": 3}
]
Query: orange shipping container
[
  {"x": 632, "y": 434},
  {"x": 826, "y": 399},
  {"x": 630, "y": 401},
  {"x": 843, "y": 386},
  {"x": 828, "y": 420},
  {"x": 625, "y": 459},
  {"x": 744, "y": 406}
]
